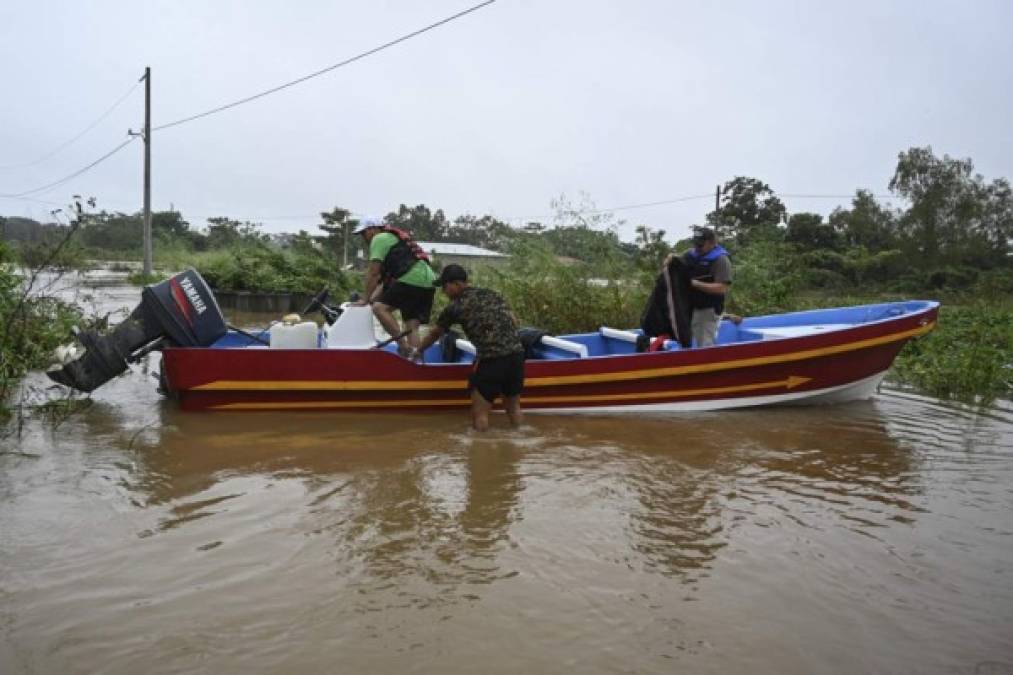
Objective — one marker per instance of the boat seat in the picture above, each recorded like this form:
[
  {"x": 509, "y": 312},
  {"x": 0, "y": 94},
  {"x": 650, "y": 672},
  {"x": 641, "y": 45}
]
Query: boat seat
[
  {"x": 547, "y": 340},
  {"x": 797, "y": 331},
  {"x": 565, "y": 345},
  {"x": 616, "y": 334},
  {"x": 631, "y": 337}
]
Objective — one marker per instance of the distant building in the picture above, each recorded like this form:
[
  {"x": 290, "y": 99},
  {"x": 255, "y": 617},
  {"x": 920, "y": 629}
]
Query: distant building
[
  {"x": 445, "y": 253},
  {"x": 462, "y": 254}
]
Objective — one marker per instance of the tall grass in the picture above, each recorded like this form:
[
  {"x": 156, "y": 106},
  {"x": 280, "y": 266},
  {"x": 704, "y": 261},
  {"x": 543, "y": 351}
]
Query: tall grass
[{"x": 558, "y": 296}]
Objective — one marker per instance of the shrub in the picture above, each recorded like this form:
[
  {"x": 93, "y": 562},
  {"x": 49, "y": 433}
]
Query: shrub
[
  {"x": 31, "y": 327},
  {"x": 265, "y": 269},
  {"x": 765, "y": 281},
  {"x": 560, "y": 297},
  {"x": 969, "y": 357}
]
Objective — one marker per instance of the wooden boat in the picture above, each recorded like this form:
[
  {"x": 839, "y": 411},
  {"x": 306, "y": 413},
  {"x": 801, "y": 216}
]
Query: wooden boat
[{"x": 821, "y": 356}]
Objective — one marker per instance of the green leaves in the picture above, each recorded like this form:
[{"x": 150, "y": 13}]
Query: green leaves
[
  {"x": 954, "y": 214},
  {"x": 31, "y": 326},
  {"x": 969, "y": 357},
  {"x": 748, "y": 208},
  {"x": 267, "y": 269},
  {"x": 565, "y": 295}
]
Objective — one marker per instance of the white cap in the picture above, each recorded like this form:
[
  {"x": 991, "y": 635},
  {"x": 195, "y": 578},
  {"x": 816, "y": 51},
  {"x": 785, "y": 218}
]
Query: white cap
[{"x": 367, "y": 222}]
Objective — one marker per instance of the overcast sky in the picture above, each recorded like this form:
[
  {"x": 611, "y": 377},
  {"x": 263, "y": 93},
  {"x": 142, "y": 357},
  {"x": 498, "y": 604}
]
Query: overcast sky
[{"x": 500, "y": 111}]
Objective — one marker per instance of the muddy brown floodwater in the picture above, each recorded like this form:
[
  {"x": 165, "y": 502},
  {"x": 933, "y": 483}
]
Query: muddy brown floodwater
[{"x": 868, "y": 537}]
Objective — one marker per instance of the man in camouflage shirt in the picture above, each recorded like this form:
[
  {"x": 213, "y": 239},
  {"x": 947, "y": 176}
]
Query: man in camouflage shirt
[{"x": 491, "y": 327}]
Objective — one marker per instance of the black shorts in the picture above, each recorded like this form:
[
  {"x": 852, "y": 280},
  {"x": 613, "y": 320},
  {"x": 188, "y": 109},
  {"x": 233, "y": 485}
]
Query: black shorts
[
  {"x": 499, "y": 375},
  {"x": 414, "y": 302}
]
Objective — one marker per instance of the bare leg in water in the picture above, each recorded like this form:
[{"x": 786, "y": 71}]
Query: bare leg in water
[
  {"x": 513, "y": 410},
  {"x": 479, "y": 411}
]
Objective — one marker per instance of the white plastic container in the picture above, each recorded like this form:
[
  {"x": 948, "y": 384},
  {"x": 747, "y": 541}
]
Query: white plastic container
[{"x": 290, "y": 335}]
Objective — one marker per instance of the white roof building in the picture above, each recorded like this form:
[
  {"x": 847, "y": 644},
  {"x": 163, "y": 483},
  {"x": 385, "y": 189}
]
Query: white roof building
[{"x": 459, "y": 250}]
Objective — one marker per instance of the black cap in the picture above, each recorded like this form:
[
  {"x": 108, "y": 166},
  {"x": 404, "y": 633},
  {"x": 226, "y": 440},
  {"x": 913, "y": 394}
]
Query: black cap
[
  {"x": 451, "y": 273},
  {"x": 702, "y": 234}
]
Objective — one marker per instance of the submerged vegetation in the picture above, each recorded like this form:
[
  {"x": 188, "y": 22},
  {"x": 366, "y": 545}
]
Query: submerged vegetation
[
  {"x": 969, "y": 357},
  {"x": 951, "y": 242},
  {"x": 32, "y": 324}
]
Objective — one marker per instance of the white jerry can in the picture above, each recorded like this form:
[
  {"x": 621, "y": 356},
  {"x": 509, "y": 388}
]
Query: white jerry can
[{"x": 290, "y": 333}]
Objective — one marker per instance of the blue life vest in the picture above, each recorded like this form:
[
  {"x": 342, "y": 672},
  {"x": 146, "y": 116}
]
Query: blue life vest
[{"x": 701, "y": 268}]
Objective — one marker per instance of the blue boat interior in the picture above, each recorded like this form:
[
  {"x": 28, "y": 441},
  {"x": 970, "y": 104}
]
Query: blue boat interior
[{"x": 613, "y": 342}]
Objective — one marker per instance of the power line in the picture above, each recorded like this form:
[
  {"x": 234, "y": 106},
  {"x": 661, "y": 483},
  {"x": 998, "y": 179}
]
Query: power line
[
  {"x": 224, "y": 213},
  {"x": 691, "y": 198},
  {"x": 851, "y": 196},
  {"x": 646, "y": 204},
  {"x": 357, "y": 57},
  {"x": 32, "y": 199},
  {"x": 77, "y": 173},
  {"x": 625, "y": 207},
  {"x": 66, "y": 144}
]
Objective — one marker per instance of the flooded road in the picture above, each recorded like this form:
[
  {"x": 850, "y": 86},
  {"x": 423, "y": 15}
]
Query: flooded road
[{"x": 868, "y": 537}]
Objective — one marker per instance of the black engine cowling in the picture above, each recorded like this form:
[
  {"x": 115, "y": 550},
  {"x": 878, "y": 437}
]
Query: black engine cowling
[{"x": 180, "y": 311}]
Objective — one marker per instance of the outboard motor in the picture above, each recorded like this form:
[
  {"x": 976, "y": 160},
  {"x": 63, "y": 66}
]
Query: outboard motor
[{"x": 180, "y": 311}]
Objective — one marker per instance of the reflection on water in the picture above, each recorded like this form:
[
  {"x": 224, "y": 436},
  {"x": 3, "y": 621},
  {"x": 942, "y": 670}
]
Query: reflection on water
[{"x": 868, "y": 537}]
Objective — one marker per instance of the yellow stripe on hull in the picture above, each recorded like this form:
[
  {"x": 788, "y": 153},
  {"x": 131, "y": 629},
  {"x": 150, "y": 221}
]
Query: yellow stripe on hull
[
  {"x": 787, "y": 383},
  {"x": 551, "y": 381}
]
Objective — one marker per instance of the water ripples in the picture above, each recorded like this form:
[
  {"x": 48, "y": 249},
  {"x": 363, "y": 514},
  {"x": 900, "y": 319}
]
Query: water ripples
[{"x": 705, "y": 539}]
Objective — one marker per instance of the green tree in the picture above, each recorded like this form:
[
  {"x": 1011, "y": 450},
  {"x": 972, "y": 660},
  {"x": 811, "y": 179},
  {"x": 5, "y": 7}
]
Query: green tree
[
  {"x": 651, "y": 248},
  {"x": 866, "y": 223},
  {"x": 424, "y": 224},
  {"x": 485, "y": 231},
  {"x": 303, "y": 243},
  {"x": 748, "y": 209},
  {"x": 337, "y": 234},
  {"x": 226, "y": 232},
  {"x": 955, "y": 216},
  {"x": 170, "y": 224},
  {"x": 808, "y": 231},
  {"x": 583, "y": 231},
  {"x": 112, "y": 232}
]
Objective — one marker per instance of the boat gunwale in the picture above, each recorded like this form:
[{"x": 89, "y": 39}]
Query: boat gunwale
[{"x": 561, "y": 372}]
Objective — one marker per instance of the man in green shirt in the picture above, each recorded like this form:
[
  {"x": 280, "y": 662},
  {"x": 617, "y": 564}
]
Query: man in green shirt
[{"x": 398, "y": 277}]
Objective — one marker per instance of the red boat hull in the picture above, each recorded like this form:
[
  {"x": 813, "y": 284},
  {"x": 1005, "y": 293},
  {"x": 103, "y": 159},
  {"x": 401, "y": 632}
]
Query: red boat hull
[{"x": 748, "y": 373}]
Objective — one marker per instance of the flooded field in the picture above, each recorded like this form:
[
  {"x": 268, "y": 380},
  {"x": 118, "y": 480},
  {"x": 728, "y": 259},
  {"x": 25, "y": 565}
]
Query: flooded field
[{"x": 868, "y": 537}]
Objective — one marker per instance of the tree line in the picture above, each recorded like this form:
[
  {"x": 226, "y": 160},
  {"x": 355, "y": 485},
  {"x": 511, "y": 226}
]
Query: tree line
[{"x": 955, "y": 227}]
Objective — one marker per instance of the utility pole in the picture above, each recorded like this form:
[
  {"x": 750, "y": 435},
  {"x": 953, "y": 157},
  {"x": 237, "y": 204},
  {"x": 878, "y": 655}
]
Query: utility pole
[
  {"x": 147, "y": 172},
  {"x": 344, "y": 239},
  {"x": 717, "y": 198}
]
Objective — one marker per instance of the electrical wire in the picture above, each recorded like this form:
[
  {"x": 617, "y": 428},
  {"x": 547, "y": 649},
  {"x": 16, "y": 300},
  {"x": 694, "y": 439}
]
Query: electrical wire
[
  {"x": 646, "y": 204},
  {"x": 67, "y": 144},
  {"x": 834, "y": 197},
  {"x": 687, "y": 199},
  {"x": 77, "y": 173},
  {"x": 626, "y": 207},
  {"x": 675, "y": 200},
  {"x": 322, "y": 71},
  {"x": 206, "y": 113},
  {"x": 32, "y": 199}
]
